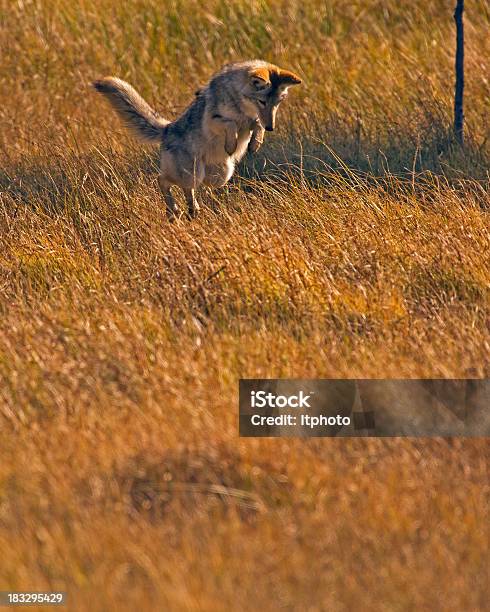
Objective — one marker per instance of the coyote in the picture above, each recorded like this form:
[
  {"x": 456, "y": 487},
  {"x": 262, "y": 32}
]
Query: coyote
[{"x": 226, "y": 118}]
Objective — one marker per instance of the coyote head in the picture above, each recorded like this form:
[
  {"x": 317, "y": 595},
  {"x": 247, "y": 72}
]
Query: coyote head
[{"x": 267, "y": 87}]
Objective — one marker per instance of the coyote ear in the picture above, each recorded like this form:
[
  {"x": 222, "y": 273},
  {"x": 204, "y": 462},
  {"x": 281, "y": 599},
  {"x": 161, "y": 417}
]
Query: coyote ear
[
  {"x": 289, "y": 78},
  {"x": 260, "y": 78}
]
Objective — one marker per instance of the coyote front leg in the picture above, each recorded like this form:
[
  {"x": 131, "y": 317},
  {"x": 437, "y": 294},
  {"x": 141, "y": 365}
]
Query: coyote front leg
[
  {"x": 257, "y": 138},
  {"x": 230, "y": 128}
]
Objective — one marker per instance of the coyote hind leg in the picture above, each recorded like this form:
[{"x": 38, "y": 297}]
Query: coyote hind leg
[
  {"x": 192, "y": 204},
  {"x": 172, "y": 209}
]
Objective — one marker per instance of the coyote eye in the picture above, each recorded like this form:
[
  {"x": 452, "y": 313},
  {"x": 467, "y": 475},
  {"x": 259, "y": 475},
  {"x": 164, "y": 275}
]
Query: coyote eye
[{"x": 262, "y": 103}]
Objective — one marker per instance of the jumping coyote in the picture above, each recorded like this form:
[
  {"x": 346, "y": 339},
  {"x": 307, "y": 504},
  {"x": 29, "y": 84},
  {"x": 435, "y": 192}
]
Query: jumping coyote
[{"x": 227, "y": 117}]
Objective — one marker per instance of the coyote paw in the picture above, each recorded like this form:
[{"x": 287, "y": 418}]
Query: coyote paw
[
  {"x": 193, "y": 211},
  {"x": 173, "y": 214},
  {"x": 254, "y": 145},
  {"x": 231, "y": 141}
]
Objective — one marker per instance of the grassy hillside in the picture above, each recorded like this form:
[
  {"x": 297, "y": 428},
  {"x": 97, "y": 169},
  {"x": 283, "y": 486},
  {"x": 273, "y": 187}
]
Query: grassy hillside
[{"x": 356, "y": 244}]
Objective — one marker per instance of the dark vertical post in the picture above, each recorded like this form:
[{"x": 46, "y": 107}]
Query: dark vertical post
[{"x": 459, "y": 65}]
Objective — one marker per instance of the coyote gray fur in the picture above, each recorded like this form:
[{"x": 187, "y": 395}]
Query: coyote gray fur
[{"x": 226, "y": 118}]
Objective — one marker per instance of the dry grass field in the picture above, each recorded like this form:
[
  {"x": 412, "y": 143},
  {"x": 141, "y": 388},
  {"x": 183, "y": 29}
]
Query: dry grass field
[{"x": 356, "y": 244}]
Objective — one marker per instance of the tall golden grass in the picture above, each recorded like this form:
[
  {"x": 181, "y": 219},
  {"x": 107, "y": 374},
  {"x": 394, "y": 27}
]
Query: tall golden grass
[{"x": 355, "y": 245}]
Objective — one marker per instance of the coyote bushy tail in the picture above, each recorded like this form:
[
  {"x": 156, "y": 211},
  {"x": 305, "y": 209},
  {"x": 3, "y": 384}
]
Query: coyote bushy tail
[{"x": 135, "y": 113}]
